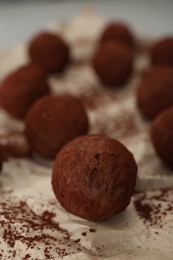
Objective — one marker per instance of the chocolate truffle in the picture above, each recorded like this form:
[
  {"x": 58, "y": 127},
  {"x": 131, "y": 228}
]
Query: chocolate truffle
[
  {"x": 162, "y": 136},
  {"x": 22, "y": 88},
  {"x": 155, "y": 92},
  {"x": 94, "y": 177},
  {"x": 49, "y": 51},
  {"x": 113, "y": 63},
  {"x": 118, "y": 31},
  {"x": 53, "y": 121},
  {"x": 162, "y": 52}
]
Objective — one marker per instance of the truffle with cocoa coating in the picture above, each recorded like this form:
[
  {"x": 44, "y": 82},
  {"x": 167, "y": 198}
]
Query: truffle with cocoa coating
[
  {"x": 53, "y": 121},
  {"x": 155, "y": 91},
  {"x": 94, "y": 177},
  {"x": 49, "y": 51},
  {"x": 21, "y": 88},
  {"x": 162, "y": 52},
  {"x": 113, "y": 63},
  {"x": 162, "y": 136},
  {"x": 118, "y": 31}
]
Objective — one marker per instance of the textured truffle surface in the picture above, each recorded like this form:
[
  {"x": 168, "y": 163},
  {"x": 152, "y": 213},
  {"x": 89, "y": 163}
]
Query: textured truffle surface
[
  {"x": 22, "y": 88},
  {"x": 118, "y": 31},
  {"x": 53, "y": 121},
  {"x": 49, "y": 51},
  {"x": 162, "y": 136},
  {"x": 94, "y": 177},
  {"x": 162, "y": 52},
  {"x": 113, "y": 63},
  {"x": 155, "y": 92}
]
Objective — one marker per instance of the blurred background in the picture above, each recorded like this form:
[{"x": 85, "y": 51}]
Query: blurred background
[{"x": 20, "y": 19}]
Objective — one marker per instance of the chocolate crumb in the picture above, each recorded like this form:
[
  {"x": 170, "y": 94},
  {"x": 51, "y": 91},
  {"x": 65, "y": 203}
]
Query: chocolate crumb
[
  {"x": 77, "y": 240},
  {"x": 154, "y": 207},
  {"x": 39, "y": 232},
  {"x": 144, "y": 210},
  {"x": 92, "y": 230}
]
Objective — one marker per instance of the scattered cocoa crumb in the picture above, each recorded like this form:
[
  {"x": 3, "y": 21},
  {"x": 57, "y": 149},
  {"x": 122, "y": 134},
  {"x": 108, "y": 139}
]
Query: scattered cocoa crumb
[
  {"x": 144, "y": 210},
  {"x": 154, "y": 207},
  {"x": 27, "y": 256},
  {"x": 38, "y": 232},
  {"x": 77, "y": 240},
  {"x": 92, "y": 230}
]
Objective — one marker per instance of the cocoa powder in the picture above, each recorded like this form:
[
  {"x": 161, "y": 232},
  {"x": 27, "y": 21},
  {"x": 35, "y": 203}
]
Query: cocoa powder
[
  {"x": 34, "y": 231},
  {"x": 14, "y": 144},
  {"x": 119, "y": 126},
  {"x": 154, "y": 208}
]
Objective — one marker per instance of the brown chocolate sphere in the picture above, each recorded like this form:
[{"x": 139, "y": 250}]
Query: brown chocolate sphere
[
  {"x": 118, "y": 31},
  {"x": 113, "y": 63},
  {"x": 162, "y": 136},
  {"x": 20, "y": 89},
  {"x": 155, "y": 92},
  {"x": 162, "y": 52},
  {"x": 49, "y": 51},
  {"x": 53, "y": 121},
  {"x": 94, "y": 177}
]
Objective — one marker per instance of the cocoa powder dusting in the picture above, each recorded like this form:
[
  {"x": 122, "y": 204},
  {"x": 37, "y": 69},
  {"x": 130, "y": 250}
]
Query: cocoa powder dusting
[
  {"x": 155, "y": 208},
  {"x": 37, "y": 234},
  {"x": 110, "y": 117},
  {"x": 28, "y": 256},
  {"x": 92, "y": 230},
  {"x": 14, "y": 144},
  {"x": 98, "y": 99},
  {"x": 119, "y": 126},
  {"x": 144, "y": 210}
]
